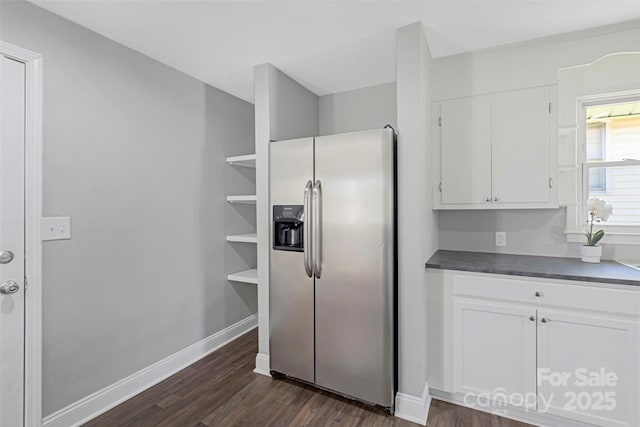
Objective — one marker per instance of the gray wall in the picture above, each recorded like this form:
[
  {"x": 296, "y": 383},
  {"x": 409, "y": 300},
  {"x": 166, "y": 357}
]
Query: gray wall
[
  {"x": 134, "y": 153},
  {"x": 360, "y": 109},
  {"x": 529, "y": 232},
  {"x": 293, "y": 108},
  {"x": 534, "y": 232}
]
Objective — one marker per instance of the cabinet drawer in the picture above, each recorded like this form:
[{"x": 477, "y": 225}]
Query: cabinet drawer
[{"x": 581, "y": 295}]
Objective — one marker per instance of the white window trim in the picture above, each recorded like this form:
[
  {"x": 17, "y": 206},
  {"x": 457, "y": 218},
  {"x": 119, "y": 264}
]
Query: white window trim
[
  {"x": 609, "y": 78},
  {"x": 610, "y": 237},
  {"x": 617, "y": 234}
]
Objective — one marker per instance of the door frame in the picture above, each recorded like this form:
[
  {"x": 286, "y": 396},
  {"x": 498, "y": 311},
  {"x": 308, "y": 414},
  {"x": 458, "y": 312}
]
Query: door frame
[{"x": 33, "y": 235}]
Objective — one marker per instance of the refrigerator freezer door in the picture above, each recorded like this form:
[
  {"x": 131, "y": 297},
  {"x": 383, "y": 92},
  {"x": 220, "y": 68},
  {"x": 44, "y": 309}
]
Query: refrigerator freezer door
[
  {"x": 355, "y": 292},
  {"x": 290, "y": 289}
]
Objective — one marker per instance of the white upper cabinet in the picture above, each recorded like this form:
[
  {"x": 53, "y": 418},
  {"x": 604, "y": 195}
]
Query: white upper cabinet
[
  {"x": 466, "y": 157},
  {"x": 520, "y": 158},
  {"x": 497, "y": 151}
]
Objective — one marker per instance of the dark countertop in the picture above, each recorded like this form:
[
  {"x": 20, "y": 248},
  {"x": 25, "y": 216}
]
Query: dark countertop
[{"x": 535, "y": 266}]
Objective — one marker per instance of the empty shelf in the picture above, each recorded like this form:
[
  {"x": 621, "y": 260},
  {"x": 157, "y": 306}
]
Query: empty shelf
[
  {"x": 241, "y": 199},
  {"x": 247, "y": 276},
  {"x": 247, "y": 238},
  {"x": 248, "y": 161}
]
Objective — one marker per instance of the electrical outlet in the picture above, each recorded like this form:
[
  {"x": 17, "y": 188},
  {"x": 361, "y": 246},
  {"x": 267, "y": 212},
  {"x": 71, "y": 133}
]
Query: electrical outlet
[
  {"x": 56, "y": 228},
  {"x": 501, "y": 238}
]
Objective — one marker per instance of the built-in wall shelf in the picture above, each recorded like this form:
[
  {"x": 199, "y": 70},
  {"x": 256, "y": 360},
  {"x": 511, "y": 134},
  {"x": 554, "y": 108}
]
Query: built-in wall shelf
[
  {"x": 245, "y": 238},
  {"x": 247, "y": 161},
  {"x": 242, "y": 199},
  {"x": 247, "y": 276}
]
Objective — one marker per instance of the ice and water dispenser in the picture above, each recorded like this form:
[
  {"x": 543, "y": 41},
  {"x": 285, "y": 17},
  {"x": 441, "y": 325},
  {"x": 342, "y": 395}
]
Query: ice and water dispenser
[{"x": 288, "y": 226}]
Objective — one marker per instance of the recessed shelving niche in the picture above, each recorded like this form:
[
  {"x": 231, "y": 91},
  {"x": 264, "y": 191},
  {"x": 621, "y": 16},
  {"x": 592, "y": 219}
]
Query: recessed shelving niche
[{"x": 251, "y": 275}]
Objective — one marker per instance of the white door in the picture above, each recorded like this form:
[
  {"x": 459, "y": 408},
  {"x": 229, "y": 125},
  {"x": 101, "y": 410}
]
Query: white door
[
  {"x": 466, "y": 150},
  {"x": 520, "y": 146},
  {"x": 495, "y": 353},
  {"x": 12, "y": 142},
  {"x": 604, "y": 350}
]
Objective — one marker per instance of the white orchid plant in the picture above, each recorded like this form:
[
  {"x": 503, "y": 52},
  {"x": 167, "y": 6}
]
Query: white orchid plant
[{"x": 599, "y": 211}]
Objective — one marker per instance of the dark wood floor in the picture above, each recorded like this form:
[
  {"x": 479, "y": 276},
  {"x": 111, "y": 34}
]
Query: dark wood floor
[{"x": 222, "y": 390}]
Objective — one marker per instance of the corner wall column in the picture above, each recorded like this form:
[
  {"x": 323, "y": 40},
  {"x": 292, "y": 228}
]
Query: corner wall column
[{"x": 284, "y": 109}]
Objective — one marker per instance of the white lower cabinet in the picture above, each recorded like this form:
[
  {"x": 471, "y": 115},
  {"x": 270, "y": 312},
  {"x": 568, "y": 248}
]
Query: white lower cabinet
[
  {"x": 495, "y": 350},
  {"x": 549, "y": 352},
  {"x": 588, "y": 368}
]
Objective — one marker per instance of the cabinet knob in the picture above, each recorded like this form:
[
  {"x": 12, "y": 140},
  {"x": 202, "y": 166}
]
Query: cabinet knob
[
  {"x": 532, "y": 318},
  {"x": 544, "y": 320},
  {"x": 9, "y": 287},
  {"x": 6, "y": 257},
  {"x": 495, "y": 199},
  {"x": 488, "y": 199},
  {"x": 539, "y": 294}
]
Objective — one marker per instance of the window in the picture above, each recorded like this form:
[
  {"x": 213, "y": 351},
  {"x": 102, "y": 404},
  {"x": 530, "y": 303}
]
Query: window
[
  {"x": 611, "y": 168},
  {"x": 599, "y": 87}
]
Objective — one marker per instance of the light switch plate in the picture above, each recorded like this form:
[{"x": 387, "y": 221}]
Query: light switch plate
[
  {"x": 56, "y": 228},
  {"x": 501, "y": 238}
]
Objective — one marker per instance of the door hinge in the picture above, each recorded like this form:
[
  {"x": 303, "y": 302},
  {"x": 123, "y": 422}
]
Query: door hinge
[
  {"x": 550, "y": 182},
  {"x": 26, "y": 284},
  {"x": 550, "y": 108},
  {"x": 439, "y": 121},
  {"x": 440, "y": 186}
]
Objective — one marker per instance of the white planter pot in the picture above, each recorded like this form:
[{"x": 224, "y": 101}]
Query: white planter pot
[{"x": 591, "y": 253}]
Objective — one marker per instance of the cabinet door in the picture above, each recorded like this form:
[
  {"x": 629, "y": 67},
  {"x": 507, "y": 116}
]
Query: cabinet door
[
  {"x": 465, "y": 138},
  {"x": 579, "y": 346},
  {"x": 495, "y": 353},
  {"x": 520, "y": 124}
]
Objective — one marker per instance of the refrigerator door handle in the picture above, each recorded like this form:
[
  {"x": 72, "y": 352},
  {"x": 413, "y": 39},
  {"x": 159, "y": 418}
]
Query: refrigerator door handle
[
  {"x": 316, "y": 233},
  {"x": 308, "y": 225}
]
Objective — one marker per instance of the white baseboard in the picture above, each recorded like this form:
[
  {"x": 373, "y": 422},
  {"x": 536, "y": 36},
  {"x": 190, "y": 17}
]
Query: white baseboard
[
  {"x": 101, "y": 401},
  {"x": 413, "y": 408},
  {"x": 262, "y": 364}
]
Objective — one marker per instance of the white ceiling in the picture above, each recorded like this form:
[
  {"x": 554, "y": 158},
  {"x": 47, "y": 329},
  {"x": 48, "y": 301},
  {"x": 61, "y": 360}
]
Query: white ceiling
[{"x": 330, "y": 46}]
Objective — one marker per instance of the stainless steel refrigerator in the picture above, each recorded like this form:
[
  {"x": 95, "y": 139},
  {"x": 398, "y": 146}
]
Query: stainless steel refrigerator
[{"x": 332, "y": 286}]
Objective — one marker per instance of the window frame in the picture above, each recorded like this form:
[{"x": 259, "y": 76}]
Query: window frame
[
  {"x": 585, "y": 187},
  {"x": 608, "y": 78},
  {"x": 614, "y": 233}
]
